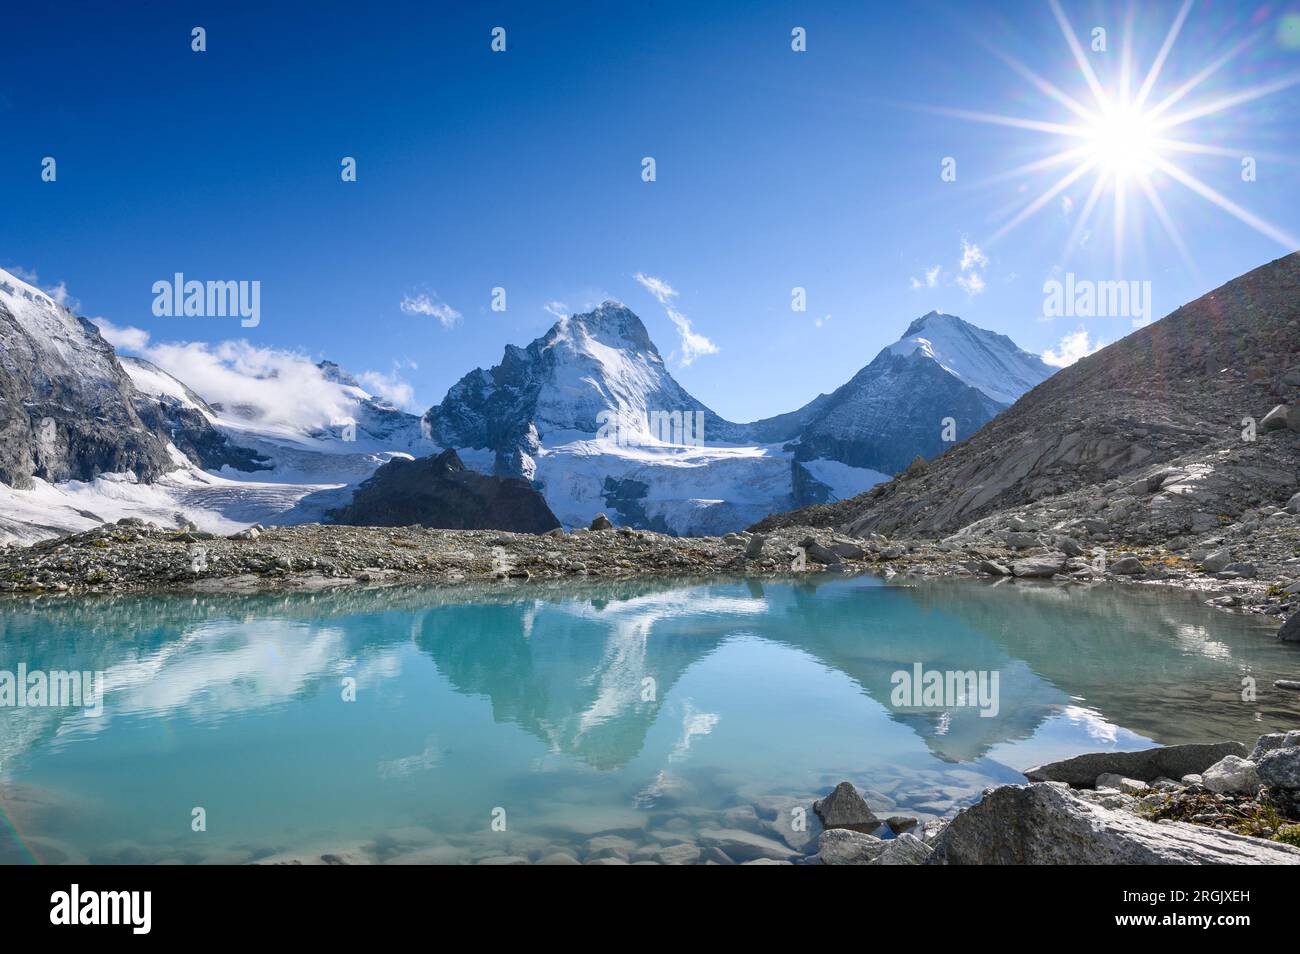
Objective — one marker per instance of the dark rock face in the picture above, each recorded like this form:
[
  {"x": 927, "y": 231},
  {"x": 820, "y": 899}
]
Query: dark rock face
[
  {"x": 439, "y": 492},
  {"x": 67, "y": 409},
  {"x": 1170, "y": 761},
  {"x": 891, "y": 411}
]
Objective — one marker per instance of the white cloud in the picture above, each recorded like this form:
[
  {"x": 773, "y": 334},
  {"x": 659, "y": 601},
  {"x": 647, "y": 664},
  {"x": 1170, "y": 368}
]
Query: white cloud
[
  {"x": 972, "y": 260},
  {"x": 657, "y": 287},
  {"x": 693, "y": 344},
  {"x": 123, "y": 339},
  {"x": 971, "y": 256},
  {"x": 280, "y": 387},
  {"x": 423, "y": 304},
  {"x": 390, "y": 387},
  {"x": 557, "y": 308},
  {"x": 931, "y": 279},
  {"x": 1071, "y": 348}
]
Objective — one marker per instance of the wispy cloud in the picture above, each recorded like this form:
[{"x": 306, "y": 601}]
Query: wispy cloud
[
  {"x": 693, "y": 344},
  {"x": 931, "y": 279},
  {"x": 973, "y": 260},
  {"x": 281, "y": 387},
  {"x": 425, "y": 304},
  {"x": 391, "y": 387},
  {"x": 1071, "y": 348},
  {"x": 557, "y": 309}
]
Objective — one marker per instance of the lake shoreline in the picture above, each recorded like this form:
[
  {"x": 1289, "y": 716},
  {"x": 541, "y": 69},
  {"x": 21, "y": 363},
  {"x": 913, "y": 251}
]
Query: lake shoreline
[{"x": 132, "y": 556}]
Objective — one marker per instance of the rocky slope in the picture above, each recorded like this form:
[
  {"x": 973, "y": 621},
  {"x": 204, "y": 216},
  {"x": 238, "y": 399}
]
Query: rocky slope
[
  {"x": 67, "y": 409},
  {"x": 439, "y": 492},
  {"x": 1139, "y": 443}
]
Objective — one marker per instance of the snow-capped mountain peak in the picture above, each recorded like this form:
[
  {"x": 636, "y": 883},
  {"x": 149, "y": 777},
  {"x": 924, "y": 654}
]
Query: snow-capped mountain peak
[{"x": 987, "y": 361}]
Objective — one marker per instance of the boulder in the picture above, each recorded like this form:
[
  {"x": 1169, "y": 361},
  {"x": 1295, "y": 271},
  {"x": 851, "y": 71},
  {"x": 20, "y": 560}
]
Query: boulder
[
  {"x": 601, "y": 522},
  {"x": 1128, "y": 786},
  {"x": 1293, "y": 505},
  {"x": 1216, "y": 561},
  {"x": 842, "y": 846},
  {"x": 754, "y": 548},
  {"x": 1047, "y": 824},
  {"x": 1275, "y": 420},
  {"x": 1128, "y": 566},
  {"x": 741, "y": 845},
  {"x": 848, "y": 550},
  {"x": 1069, "y": 546},
  {"x": 1281, "y": 768},
  {"x": 1171, "y": 761},
  {"x": 904, "y": 850},
  {"x": 900, "y": 823},
  {"x": 993, "y": 568},
  {"x": 1047, "y": 565},
  {"x": 845, "y": 808},
  {"x": 1021, "y": 541},
  {"x": 1231, "y": 774},
  {"x": 1274, "y": 740},
  {"x": 1290, "y": 631},
  {"x": 819, "y": 553}
]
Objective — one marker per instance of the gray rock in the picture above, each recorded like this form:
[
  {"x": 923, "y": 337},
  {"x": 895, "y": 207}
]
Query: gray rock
[
  {"x": 754, "y": 549},
  {"x": 1293, "y": 505},
  {"x": 1128, "y": 786},
  {"x": 1047, "y": 565},
  {"x": 1021, "y": 541},
  {"x": 1173, "y": 761},
  {"x": 1216, "y": 561},
  {"x": 1069, "y": 546},
  {"x": 819, "y": 553},
  {"x": 841, "y": 846},
  {"x": 993, "y": 568},
  {"x": 1129, "y": 566},
  {"x": 904, "y": 850},
  {"x": 601, "y": 522},
  {"x": 900, "y": 823},
  {"x": 1275, "y": 420},
  {"x": 743, "y": 845},
  {"x": 845, "y": 808},
  {"x": 1281, "y": 768},
  {"x": 1231, "y": 774},
  {"x": 848, "y": 550},
  {"x": 1290, "y": 631},
  {"x": 1047, "y": 824},
  {"x": 683, "y": 853},
  {"x": 1274, "y": 740},
  {"x": 1246, "y": 570}
]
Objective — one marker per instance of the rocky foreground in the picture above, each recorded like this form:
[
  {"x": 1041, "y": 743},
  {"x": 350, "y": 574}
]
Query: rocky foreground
[
  {"x": 1222, "y": 805},
  {"x": 1258, "y": 576}
]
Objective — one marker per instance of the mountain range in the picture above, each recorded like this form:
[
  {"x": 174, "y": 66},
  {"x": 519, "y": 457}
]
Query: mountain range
[{"x": 588, "y": 413}]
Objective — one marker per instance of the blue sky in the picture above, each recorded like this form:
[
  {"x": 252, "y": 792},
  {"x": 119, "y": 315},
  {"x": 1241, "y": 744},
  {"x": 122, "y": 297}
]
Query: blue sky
[{"x": 522, "y": 169}]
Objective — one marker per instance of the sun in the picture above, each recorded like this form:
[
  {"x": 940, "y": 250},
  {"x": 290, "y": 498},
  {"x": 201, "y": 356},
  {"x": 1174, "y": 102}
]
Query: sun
[
  {"x": 1123, "y": 142},
  {"x": 1126, "y": 139}
]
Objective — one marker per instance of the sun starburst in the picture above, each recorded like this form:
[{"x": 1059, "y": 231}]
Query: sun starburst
[{"x": 1127, "y": 139}]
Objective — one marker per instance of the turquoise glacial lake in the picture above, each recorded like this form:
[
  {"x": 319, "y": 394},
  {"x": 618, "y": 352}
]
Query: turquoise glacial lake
[{"x": 607, "y": 721}]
